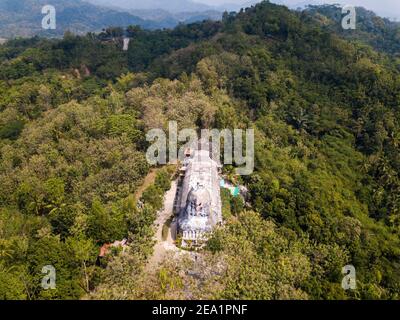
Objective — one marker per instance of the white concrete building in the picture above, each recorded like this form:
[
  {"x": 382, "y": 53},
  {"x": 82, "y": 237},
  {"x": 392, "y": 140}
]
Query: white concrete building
[{"x": 199, "y": 200}]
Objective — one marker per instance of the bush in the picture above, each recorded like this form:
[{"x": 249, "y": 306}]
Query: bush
[
  {"x": 153, "y": 196},
  {"x": 163, "y": 180},
  {"x": 11, "y": 130}
]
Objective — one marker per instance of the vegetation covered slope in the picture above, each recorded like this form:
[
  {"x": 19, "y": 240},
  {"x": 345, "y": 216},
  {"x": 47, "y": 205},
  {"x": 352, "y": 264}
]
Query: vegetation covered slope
[
  {"x": 23, "y": 18},
  {"x": 381, "y": 33},
  {"x": 324, "y": 194}
]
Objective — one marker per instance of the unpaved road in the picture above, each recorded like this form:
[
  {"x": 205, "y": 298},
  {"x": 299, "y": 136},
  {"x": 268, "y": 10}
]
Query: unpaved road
[{"x": 162, "y": 247}]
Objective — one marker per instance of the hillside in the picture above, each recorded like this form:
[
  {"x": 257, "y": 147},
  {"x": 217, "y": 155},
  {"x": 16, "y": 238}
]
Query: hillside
[
  {"x": 381, "y": 33},
  {"x": 325, "y": 108},
  {"x": 23, "y": 18}
]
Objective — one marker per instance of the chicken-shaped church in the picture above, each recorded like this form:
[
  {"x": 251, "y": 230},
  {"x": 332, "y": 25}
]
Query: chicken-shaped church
[{"x": 199, "y": 201}]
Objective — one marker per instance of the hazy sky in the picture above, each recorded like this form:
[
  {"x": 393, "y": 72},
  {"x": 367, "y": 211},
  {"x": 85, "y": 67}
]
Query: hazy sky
[{"x": 385, "y": 8}]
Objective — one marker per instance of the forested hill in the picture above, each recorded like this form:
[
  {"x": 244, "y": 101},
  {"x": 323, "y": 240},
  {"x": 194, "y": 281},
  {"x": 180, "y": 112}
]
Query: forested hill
[
  {"x": 325, "y": 192},
  {"x": 23, "y": 18},
  {"x": 381, "y": 33}
]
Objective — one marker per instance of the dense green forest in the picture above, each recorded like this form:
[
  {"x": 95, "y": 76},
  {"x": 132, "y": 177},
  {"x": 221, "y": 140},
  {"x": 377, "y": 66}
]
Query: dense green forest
[{"x": 325, "y": 106}]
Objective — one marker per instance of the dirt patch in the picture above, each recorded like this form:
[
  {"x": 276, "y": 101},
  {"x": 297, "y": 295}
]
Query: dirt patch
[{"x": 147, "y": 182}]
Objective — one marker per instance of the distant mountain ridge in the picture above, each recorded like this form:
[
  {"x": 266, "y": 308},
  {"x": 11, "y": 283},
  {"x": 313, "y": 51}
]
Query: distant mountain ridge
[
  {"x": 172, "y": 6},
  {"x": 170, "y": 20},
  {"x": 24, "y": 18}
]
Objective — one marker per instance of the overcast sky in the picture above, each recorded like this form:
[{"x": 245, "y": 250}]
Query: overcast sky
[{"x": 385, "y": 8}]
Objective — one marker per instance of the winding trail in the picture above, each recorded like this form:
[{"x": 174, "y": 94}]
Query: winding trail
[{"x": 163, "y": 246}]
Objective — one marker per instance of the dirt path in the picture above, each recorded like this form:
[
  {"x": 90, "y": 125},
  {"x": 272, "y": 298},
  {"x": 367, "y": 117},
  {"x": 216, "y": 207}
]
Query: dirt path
[
  {"x": 148, "y": 181},
  {"x": 163, "y": 246}
]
